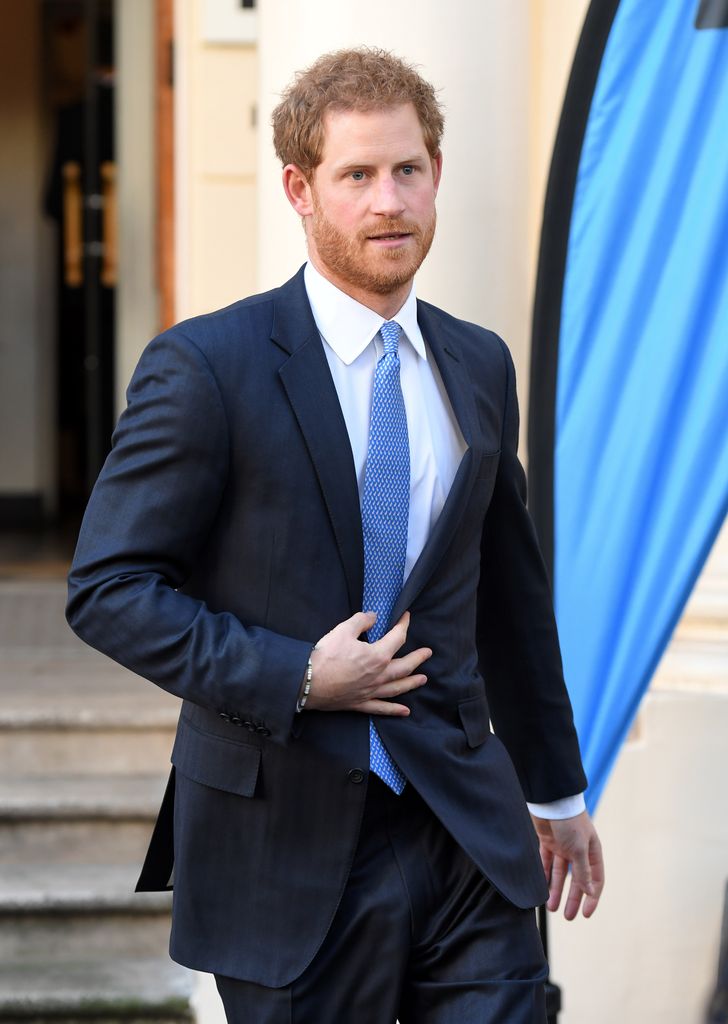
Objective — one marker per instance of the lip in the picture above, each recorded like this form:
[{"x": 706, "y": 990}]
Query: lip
[{"x": 390, "y": 241}]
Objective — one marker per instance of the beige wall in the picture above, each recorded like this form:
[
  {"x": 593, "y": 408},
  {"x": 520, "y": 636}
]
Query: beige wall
[
  {"x": 555, "y": 29},
  {"x": 554, "y": 33},
  {"x": 216, "y": 150},
  {"x": 651, "y": 954}
]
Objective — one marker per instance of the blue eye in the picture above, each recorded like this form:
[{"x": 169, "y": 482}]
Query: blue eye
[
  {"x": 408, "y": 169},
  {"x": 357, "y": 175}
]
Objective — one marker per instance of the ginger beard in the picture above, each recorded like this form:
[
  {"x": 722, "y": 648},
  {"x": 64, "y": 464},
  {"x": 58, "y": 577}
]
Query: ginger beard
[{"x": 352, "y": 258}]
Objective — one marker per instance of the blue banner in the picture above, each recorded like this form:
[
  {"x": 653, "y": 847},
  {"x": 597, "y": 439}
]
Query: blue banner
[{"x": 639, "y": 473}]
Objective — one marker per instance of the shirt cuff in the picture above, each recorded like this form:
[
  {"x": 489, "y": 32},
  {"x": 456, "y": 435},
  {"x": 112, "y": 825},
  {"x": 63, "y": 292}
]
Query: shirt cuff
[{"x": 568, "y": 807}]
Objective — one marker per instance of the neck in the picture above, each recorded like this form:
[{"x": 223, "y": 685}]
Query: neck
[{"x": 385, "y": 305}]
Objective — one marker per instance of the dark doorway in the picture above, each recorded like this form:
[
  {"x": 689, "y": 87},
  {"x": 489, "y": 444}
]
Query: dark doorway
[
  {"x": 80, "y": 196},
  {"x": 58, "y": 259}
]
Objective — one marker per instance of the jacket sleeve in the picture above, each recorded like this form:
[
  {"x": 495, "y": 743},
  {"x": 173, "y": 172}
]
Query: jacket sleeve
[
  {"x": 517, "y": 638},
  {"x": 148, "y": 516}
]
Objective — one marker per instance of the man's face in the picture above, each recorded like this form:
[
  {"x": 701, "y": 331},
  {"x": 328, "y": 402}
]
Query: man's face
[{"x": 373, "y": 203}]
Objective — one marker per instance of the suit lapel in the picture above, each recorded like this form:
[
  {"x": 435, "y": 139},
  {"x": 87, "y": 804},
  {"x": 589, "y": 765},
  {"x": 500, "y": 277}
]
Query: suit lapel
[
  {"x": 445, "y": 348},
  {"x": 307, "y": 381}
]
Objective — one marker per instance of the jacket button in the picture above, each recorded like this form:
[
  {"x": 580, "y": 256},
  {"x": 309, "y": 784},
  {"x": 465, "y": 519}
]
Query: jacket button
[
  {"x": 356, "y": 775},
  {"x": 225, "y": 716},
  {"x": 249, "y": 725},
  {"x": 236, "y": 720},
  {"x": 263, "y": 731}
]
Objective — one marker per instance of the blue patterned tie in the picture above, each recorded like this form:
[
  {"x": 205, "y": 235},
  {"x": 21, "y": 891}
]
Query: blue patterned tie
[{"x": 384, "y": 516}]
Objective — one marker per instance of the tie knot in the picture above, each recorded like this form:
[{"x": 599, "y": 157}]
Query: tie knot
[{"x": 390, "y": 331}]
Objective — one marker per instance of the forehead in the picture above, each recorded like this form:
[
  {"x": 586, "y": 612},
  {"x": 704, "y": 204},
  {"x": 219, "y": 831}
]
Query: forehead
[{"x": 390, "y": 132}]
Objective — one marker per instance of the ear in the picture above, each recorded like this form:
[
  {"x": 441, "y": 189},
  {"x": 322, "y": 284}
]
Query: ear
[
  {"x": 436, "y": 170},
  {"x": 297, "y": 189}
]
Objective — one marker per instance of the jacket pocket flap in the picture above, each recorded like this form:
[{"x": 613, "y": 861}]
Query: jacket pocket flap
[
  {"x": 475, "y": 719},
  {"x": 216, "y": 762}
]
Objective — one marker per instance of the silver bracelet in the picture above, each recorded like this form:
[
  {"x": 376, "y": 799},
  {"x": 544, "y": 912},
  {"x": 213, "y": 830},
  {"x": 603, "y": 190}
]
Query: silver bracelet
[{"x": 303, "y": 696}]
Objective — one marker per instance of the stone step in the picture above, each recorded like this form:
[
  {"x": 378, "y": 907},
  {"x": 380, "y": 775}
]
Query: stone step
[
  {"x": 706, "y": 613},
  {"x": 26, "y": 751},
  {"x": 66, "y": 708},
  {"x": 84, "y": 756},
  {"x": 78, "y": 912},
  {"x": 101, "y": 819},
  {"x": 693, "y": 664},
  {"x": 44, "y": 689},
  {"x": 81, "y": 716},
  {"x": 125, "y": 990}
]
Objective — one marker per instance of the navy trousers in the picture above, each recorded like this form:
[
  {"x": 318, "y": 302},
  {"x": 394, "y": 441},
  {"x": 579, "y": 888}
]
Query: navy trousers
[{"x": 420, "y": 936}]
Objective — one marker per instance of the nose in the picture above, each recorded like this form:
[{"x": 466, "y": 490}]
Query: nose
[{"x": 386, "y": 197}]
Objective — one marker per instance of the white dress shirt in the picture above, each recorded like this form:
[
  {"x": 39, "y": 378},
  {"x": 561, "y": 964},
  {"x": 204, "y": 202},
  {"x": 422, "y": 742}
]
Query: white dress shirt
[{"x": 353, "y": 346}]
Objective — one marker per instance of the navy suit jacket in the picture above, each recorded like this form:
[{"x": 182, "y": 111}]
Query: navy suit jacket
[{"x": 223, "y": 539}]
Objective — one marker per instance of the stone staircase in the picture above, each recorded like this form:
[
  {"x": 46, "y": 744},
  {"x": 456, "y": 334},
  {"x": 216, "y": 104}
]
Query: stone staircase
[{"x": 84, "y": 753}]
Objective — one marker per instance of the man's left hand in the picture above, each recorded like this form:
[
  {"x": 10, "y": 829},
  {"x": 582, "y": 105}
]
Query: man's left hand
[{"x": 571, "y": 843}]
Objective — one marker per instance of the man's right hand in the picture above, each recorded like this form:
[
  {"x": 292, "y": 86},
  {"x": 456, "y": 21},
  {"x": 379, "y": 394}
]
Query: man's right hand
[{"x": 350, "y": 674}]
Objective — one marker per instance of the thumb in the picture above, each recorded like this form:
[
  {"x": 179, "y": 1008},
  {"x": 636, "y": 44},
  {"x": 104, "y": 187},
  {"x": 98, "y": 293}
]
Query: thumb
[{"x": 360, "y": 622}]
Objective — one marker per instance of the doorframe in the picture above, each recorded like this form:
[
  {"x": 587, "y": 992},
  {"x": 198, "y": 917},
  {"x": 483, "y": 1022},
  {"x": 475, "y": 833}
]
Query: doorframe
[
  {"x": 165, "y": 141},
  {"x": 138, "y": 316}
]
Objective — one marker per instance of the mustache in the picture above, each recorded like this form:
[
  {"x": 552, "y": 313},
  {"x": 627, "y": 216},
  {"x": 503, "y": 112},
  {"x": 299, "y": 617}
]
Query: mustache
[{"x": 390, "y": 226}]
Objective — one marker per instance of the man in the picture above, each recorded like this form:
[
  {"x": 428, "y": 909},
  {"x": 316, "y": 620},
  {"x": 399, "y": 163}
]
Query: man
[{"x": 312, "y": 529}]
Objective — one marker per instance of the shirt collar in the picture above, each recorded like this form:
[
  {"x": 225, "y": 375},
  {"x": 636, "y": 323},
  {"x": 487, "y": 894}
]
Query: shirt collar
[{"x": 347, "y": 325}]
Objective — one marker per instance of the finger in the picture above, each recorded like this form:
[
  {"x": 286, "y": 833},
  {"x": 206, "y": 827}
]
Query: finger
[
  {"x": 573, "y": 900},
  {"x": 398, "y": 687},
  {"x": 547, "y": 859},
  {"x": 581, "y": 869},
  {"x": 398, "y": 668},
  {"x": 374, "y": 706},
  {"x": 559, "y": 871},
  {"x": 590, "y": 905},
  {"x": 597, "y": 869},
  {"x": 391, "y": 642}
]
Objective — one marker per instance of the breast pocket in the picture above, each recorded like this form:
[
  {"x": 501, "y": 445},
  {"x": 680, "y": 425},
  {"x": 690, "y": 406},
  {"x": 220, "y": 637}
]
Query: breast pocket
[{"x": 216, "y": 762}]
